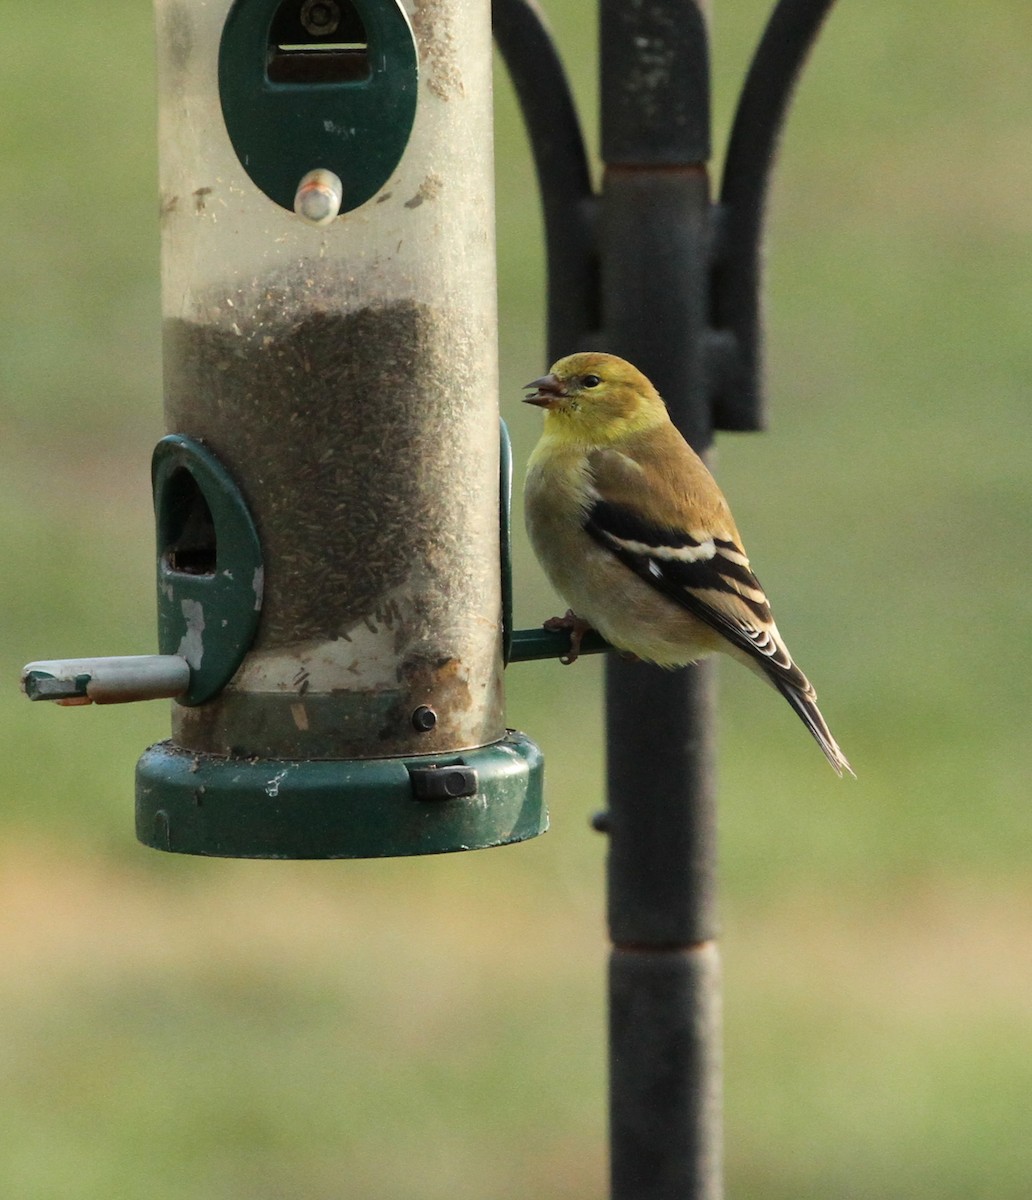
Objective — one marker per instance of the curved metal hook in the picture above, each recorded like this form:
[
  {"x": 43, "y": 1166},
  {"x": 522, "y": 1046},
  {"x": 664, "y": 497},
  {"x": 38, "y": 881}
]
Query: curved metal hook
[
  {"x": 561, "y": 162},
  {"x": 791, "y": 31}
]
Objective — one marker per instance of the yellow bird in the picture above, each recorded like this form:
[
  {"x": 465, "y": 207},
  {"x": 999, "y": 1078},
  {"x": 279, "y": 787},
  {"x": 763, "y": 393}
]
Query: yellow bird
[{"x": 636, "y": 536}]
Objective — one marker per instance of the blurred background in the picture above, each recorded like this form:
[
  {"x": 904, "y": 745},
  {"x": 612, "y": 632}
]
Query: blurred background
[{"x": 434, "y": 1028}]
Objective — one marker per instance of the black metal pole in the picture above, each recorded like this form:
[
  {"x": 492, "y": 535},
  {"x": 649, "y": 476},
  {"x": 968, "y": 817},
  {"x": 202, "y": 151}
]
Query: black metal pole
[
  {"x": 679, "y": 279},
  {"x": 664, "y": 991}
]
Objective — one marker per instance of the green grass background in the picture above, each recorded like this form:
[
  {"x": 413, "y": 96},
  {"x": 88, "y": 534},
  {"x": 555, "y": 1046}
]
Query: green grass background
[{"x": 414, "y": 1030}]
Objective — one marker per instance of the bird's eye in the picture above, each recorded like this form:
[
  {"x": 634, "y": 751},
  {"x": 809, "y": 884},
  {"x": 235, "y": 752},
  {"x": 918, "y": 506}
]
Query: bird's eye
[{"x": 590, "y": 381}]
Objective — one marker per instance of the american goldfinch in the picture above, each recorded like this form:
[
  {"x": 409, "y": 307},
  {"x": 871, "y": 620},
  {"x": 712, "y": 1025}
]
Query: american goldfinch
[{"x": 636, "y": 536}]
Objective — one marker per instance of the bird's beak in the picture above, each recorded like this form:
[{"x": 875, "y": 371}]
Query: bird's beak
[{"x": 549, "y": 389}]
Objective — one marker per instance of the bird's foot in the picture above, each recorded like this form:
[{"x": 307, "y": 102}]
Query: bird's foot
[{"x": 576, "y": 627}]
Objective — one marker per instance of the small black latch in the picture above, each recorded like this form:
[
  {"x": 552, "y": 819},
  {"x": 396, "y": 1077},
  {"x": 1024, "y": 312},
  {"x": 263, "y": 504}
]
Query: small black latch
[{"x": 443, "y": 783}]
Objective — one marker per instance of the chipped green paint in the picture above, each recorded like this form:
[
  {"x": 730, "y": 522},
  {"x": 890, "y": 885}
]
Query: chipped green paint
[{"x": 209, "y": 564}]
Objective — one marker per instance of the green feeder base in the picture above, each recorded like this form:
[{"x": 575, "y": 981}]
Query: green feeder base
[{"x": 192, "y": 803}]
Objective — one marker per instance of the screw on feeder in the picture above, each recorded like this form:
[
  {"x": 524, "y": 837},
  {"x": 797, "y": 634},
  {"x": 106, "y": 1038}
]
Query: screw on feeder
[
  {"x": 453, "y": 781},
  {"x": 424, "y": 719},
  {"x": 320, "y": 17},
  {"x": 319, "y": 197}
]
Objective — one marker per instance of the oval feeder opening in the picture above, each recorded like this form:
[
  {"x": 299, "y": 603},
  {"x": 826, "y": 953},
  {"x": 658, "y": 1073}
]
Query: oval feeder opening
[{"x": 189, "y": 541}]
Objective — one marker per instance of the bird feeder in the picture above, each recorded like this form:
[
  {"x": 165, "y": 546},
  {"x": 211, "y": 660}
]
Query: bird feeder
[{"x": 329, "y": 537}]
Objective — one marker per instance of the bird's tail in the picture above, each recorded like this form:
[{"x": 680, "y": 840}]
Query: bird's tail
[{"x": 804, "y": 700}]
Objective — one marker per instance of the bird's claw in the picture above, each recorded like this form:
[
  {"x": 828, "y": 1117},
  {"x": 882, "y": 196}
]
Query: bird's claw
[{"x": 576, "y": 627}]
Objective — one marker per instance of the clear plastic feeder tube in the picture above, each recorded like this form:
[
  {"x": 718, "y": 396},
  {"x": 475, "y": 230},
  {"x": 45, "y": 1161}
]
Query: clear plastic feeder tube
[{"x": 345, "y": 375}]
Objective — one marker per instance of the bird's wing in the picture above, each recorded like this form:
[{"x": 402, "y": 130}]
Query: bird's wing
[
  {"x": 671, "y": 526},
  {"x": 699, "y": 564}
]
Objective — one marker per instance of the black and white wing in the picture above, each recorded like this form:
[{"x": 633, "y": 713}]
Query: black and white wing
[{"x": 708, "y": 573}]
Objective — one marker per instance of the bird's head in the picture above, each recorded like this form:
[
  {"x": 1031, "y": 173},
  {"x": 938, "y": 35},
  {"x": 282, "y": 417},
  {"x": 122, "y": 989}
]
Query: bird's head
[{"x": 596, "y": 399}]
